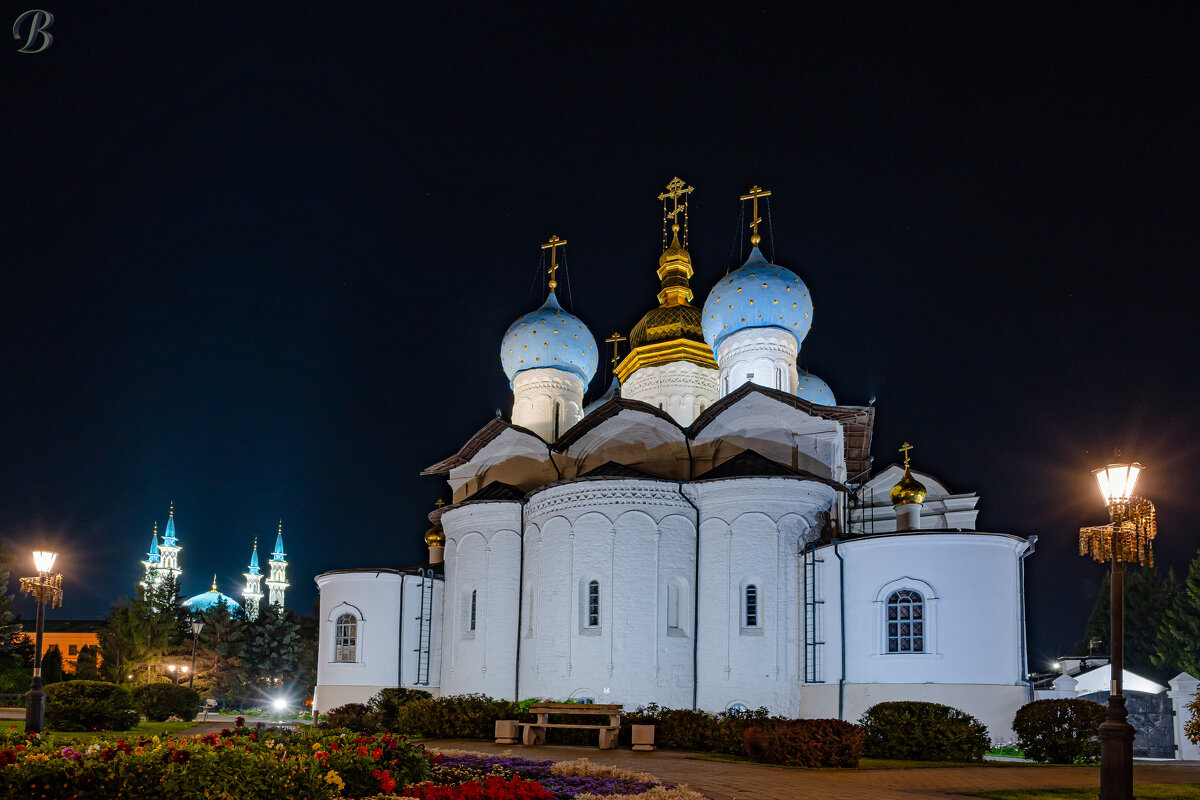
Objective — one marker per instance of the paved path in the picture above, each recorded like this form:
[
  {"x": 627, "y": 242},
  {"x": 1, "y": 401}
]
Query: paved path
[{"x": 736, "y": 781}]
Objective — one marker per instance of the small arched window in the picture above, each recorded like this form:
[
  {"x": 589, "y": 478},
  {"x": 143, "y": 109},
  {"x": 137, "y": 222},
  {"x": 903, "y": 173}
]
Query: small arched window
[
  {"x": 557, "y": 419},
  {"x": 345, "y": 638},
  {"x": 474, "y": 601},
  {"x": 673, "y": 605},
  {"x": 905, "y": 622},
  {"x": 752, "y": 606},
  {"x": 593, "y": 604}
]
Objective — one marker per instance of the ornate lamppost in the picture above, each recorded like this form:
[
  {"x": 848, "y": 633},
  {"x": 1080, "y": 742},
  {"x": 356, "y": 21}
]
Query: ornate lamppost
[
  {"x": 197, "y": 626},
  {"x": 47, "y": 589},
  {"x": 1128, "y": 537}
]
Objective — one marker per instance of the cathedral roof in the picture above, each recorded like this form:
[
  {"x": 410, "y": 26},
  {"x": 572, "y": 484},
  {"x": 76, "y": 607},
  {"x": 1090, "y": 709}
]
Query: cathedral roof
[
  {"x": 751, "y": 464},
  {"x": 611, "y": 469},
  {"x": 549, "y": 337},
  {"x": 757, "y": 294}
]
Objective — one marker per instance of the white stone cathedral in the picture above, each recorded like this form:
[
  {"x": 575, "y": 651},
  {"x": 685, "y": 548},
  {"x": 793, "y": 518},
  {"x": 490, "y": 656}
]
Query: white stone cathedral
[
  {"x": 707, "y": 534},
  {"x": 162, "y": 562}
]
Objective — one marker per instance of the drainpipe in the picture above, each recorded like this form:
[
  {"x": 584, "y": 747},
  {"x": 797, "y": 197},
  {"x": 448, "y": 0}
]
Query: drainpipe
[
  {"x": 1025, "y": 553},
  {"x": 842, "y": 623},
  {"x": 520, "y": 606},
  {"x": 695, "y": 607},
  {"x": 400, "y": 646}
]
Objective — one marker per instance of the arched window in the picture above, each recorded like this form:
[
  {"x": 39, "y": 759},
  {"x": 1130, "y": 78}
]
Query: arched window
[
  {"x": 345, "y": 638},
  {"x": 474, "y": 601},
  {"x": 557, "y": 419},
  {"x": 593, "y": 604},
  {"x": 673, "y": 605},
  {"x": 905, "y": 622},
  {"x": 752, "y": 606}
]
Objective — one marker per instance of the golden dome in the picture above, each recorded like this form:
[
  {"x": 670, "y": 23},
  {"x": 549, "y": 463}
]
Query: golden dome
[
  {"x": 909, "y": 490},
  {"x": 665, "y": 323},
  {"x": 435, "y": 537}
]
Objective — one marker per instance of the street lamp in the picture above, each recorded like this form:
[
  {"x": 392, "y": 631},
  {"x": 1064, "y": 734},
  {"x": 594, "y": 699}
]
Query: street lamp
[
  {"x": 196, "y": 628},
  {"x": 47, "y": 588},
  {"x": 1128, "y": 537},
  {"x": 171, "y": 669}
]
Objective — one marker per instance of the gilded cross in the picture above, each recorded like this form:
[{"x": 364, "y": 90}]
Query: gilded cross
[
  {"x": 440, "y": 502},
  {"x": 676, "y": 189},
  {"x": 553, "y": 246},
  {"x": 756, "y": 192},
  {"x": 904, "y": 448},
  {"x": 616, "y": 340}
]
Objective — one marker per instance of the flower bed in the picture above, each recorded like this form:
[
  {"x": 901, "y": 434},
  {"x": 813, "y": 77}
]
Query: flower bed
[{"x": 306, "y": 764}]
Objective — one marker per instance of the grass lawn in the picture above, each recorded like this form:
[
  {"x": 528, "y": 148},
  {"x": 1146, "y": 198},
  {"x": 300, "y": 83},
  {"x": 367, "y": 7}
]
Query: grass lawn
[
  {"x": 141, "y": 729},
  {"x": 1143, "y": 791}
]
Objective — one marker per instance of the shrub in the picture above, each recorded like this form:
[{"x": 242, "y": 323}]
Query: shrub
[
  {"x": 1059, "y": 731},
  {"x": 1192, "y": 727},
  {"x": 89, "y": 706},
  {"x": 919, "y": 731},
  {"x": 52, "y": 665},
  {"x": 161, "y": 701},
  {"x": 85, "y": 665},
  {"x": 684, "y": 729},
  {"x": 806, "y": 743},
  {"x": 387, "y": 704},
  {"x": 355, "y": 716},
  {"x": 464, "y": 716}
]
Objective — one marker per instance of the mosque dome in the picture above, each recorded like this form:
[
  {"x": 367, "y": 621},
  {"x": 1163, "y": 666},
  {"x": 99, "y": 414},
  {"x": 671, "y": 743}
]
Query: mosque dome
[
  {"x": 211, "y": 599},
  {"x": 757, "y": 294},
  {"x": 549, "y": 337},
  {"x": 909, "y": 490},
  {"x": 814, "y": 390},
  {"x": 435, "y": 537}
]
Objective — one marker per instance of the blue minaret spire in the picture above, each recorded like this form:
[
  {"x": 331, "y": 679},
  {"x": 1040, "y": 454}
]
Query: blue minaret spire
[
  {"x": 168, "y": 564},
  {"x": 151, "y": 564},
  {"x": 253, "y": 591},
  {"x": 277, "y": 577}
]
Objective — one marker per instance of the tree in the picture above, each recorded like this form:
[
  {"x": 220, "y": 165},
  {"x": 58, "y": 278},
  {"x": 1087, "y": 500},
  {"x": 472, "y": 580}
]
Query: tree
[
  {"x": 85, "y": 664},
  {"x": 1177, "y": 646},
  {"x": 52, "y": 665},
  {"x": 273, "y": 649},
  {"x": 10, "y": 629},
  {"x": 220, "y": 667},
  {"x": 1147, "y": 593}
]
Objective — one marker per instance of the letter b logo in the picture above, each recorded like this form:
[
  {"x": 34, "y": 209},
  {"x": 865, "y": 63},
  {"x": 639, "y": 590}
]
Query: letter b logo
[{"x": 39, "y": 21}]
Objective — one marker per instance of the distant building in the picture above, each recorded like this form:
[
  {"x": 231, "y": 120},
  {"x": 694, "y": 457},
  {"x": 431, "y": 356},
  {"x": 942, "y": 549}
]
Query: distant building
[
  {"x": 162, "y": 561},
  {"x": 70, "y": 635}
]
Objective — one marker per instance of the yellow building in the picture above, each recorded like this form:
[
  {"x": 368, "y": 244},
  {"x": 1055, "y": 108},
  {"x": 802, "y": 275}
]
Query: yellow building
[{"x": 70, "y": 635}]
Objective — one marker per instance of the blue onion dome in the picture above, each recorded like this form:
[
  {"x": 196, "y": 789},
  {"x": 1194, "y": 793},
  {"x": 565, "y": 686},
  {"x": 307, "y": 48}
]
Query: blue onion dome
[
  {"x": 814, "y": 390},
  {"x": 549, "y": 337},
  {"x": 757, "y": 294}
]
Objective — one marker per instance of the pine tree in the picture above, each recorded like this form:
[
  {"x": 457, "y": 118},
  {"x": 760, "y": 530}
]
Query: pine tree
[
  {"x": 52, "y": 665},
  {"x": 1177, "y": 646},
  {"x": 220, "y": 669},
  {"x": 85, "y": 664},
  {"x": 1147, "y": 593},
  {"x": 273, "y": 648},
  {"x": 10, "y": 629}
]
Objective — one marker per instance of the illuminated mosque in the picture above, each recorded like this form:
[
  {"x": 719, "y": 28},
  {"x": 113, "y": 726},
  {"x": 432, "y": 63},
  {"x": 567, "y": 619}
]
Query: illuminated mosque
[
  {"x": 162, "y": 562},
  {"x": 707, "y": 533}
]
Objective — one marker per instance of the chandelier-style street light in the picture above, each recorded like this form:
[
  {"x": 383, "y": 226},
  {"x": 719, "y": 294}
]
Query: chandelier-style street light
[
  {"x": 1128, "y": 537},
  {"x": 47, "y": 589}
]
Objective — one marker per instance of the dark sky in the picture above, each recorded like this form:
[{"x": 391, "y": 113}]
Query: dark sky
[{"x": 259, "y": 261}]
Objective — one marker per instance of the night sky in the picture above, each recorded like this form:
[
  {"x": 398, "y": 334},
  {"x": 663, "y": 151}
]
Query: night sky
[{"x": 259, "y": 261}]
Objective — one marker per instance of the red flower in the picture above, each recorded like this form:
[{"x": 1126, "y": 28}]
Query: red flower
[
  {"x": 377, "y": 752},
  {"x": 362, "y": 751}
]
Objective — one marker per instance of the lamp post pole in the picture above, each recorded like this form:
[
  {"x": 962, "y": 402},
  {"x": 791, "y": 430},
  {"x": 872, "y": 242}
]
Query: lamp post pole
[
  {"x": 1128, "y": 536},
  {"x": 45, "y": 588},
  {"x": 196, "y": 628}
]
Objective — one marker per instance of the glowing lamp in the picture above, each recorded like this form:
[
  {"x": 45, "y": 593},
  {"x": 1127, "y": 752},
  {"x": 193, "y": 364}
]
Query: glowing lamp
[
  {"x": 279, "y": 704},
  {"x": 1117, "y": 481},
  {"x": 184, "y": 668},
  {"x": 44, "y": 560},
  {"x": 170, "y": 668}
]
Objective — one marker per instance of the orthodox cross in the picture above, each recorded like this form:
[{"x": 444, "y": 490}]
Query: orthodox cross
[
  {"x": 553, "y": 246},
  {"x": 616, "y": 340},
  {"x": 676, "y": 189},
  {"x": 756, "y": 192},
  {"x": 440, "y": 502},
  {"x": 904, "y": 448}
]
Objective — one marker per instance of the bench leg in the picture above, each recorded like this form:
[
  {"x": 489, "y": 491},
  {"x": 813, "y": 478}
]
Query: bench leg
[
  {"x": 608, "y": 738},
  {"x": 533, "y": 735}
]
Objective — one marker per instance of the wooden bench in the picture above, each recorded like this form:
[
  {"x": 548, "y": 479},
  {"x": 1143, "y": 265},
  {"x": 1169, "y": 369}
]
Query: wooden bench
[{"x": 534, "y": 733}]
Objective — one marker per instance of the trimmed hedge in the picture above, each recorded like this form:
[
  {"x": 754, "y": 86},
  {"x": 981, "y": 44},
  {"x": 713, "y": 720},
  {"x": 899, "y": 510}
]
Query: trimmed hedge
[
  {"x": 806, "y": 743},
  {"x": 684, "y": 729},
  {"x": 1064, "y": 731},
  {"x": 918, "y": 731},
  {"x": 89, "y": 706},
  {"x": 161, "y": 701},
  {"x": 355, "y": 716}
]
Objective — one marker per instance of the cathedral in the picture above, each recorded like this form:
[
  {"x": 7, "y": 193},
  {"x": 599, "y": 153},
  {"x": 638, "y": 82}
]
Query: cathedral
[
  {"x": 707, "y": 534},
  {"x": 162, "y": 563}
]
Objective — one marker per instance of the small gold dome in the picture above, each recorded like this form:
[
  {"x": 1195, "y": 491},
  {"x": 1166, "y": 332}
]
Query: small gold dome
[
  {"x": 435, "y": 537},
  {"x": 909, "y": 490}
]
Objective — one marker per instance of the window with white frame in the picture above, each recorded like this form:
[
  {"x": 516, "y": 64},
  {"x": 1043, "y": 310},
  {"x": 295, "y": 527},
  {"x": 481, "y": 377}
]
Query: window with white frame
[
  {"x": 593, "y": 604},
  {"x": 345, "y": 638},
  {"x": 750, "y": 615},
  {"x": 905, "y": 620}
]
